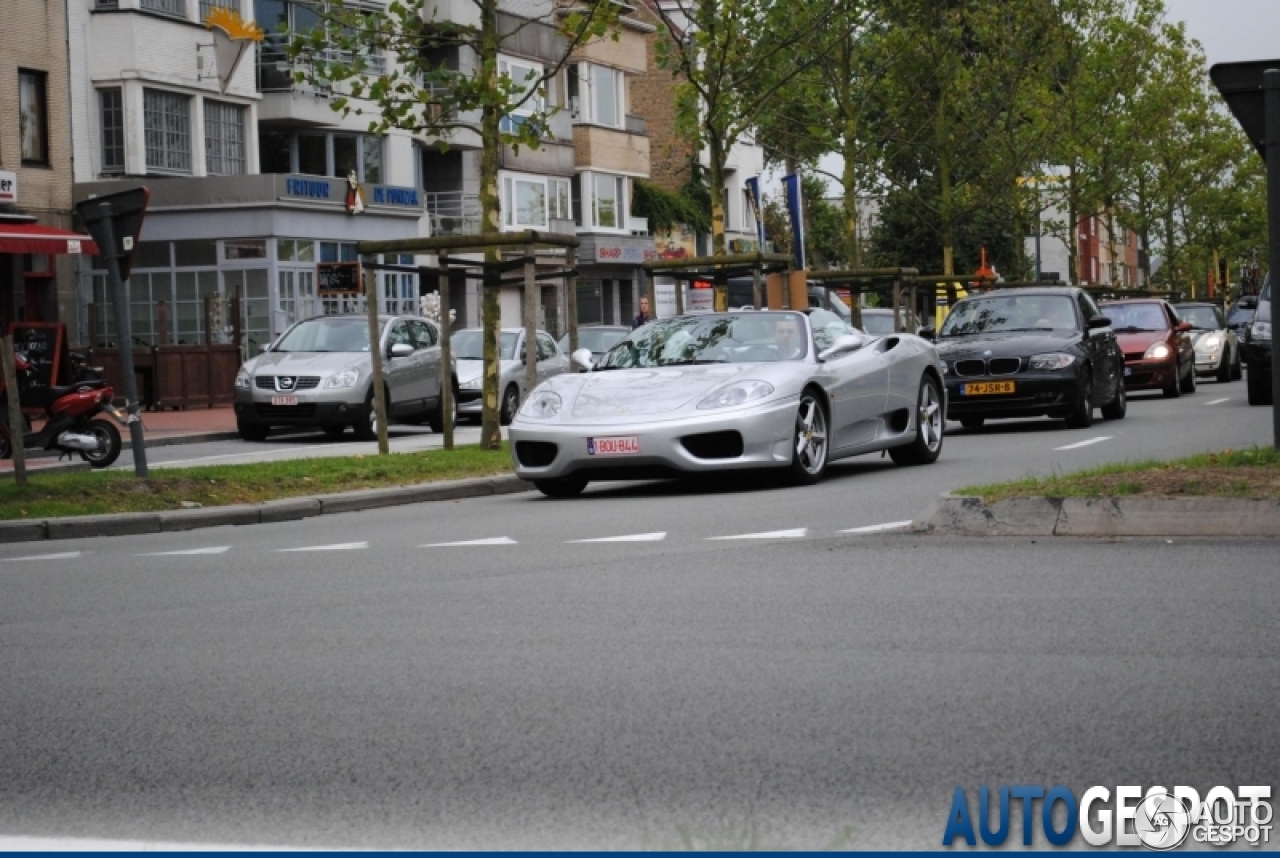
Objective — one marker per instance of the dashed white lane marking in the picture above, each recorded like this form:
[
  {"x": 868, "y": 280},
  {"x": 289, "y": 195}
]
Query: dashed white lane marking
[
  {"x": 340, "y": 546},
  {"x": 217, "y": 549},
  {"x": 797, "y": 533},
  {"x": 1219, "y": 401},
  {"x": 880, "y": 528},
  {"x": 64, "y": 555},
  {"x": 1086, "y": 443},
  {"x": 85, "y": 844},
  {"x": 634, "y": 537},
  {"x": 493, "y": 540}
]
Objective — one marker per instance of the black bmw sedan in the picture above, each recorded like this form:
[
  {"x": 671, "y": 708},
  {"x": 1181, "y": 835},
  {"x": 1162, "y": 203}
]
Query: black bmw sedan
[{"x": 1031, "y": 353}]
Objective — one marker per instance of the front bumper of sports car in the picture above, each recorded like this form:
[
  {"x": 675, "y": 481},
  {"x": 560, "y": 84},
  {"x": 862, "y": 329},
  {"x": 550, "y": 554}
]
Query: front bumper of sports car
[{"x": 759, "y": 437}]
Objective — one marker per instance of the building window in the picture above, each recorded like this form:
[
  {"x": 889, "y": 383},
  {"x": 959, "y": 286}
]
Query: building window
[
  {"x": 524, "y": 202},
  {"x": 111, "y": 108},
  {"x": 328, "y": 154},
  {"x": 748, "y": 212},
  {"x": 559, "y": 199},
  {"x": 33, "y": 116},
  {"x": 207, "y": 7},
  {"x": 595, "y": 95},
  {"x": 168, "y": 7},
  {"x": 167, "y": 122},
  {"x": 223, "y": 138},
  {"x": 608, "y": 194},
  {"x": 524, "y": 77}
]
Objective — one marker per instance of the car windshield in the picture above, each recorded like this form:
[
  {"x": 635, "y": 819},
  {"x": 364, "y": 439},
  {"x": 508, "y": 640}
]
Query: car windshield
[
  {"x": 1005, "y": 313},
  {"x": 1201, "y": 318},
  {"x": 469, "y": 345},
  {"x": 1242, "y": 314},
  {"x": 331, "y": 334},
  {"x": 734, "y": 338},
  {"x": 877, "y": 323},
  {"x": 1132, "y": 318},
  {"x": 595, "y": 339}
]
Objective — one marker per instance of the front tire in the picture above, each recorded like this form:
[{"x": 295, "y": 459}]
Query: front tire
[
  {"x": 567, "y": 487},
  {"x": 1188, "y": 384},
  {"x": 1082, "y": 416},
  {"x": 435, "y": 419},
  {"x": 1258, "y": 386},
  {"x": 367, "y": 429},
  {"x": 252, "y": 431},
  {"x": 109, "y": 444},
  {"x": 1119, "y": 404},
  {"x": 927, "y": 446},
  {"x": 809, "y": 441},
  {"x": 1237, "y": 369},
  {"x": 510, "y": 404}
]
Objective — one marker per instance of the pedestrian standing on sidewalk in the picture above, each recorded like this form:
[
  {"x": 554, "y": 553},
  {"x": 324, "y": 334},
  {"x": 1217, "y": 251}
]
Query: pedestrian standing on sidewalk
[{"x": 642, "y": 319}]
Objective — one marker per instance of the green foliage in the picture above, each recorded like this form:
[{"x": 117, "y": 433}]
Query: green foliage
[{"x": 666, "y": 210}]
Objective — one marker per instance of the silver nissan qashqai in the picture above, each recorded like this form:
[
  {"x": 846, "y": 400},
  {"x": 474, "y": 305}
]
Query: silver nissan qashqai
[{"x": 319, "y": 373}]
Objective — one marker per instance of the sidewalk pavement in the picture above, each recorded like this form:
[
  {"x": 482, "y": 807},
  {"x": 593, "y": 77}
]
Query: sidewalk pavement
[{"x": 159, "y": 429}]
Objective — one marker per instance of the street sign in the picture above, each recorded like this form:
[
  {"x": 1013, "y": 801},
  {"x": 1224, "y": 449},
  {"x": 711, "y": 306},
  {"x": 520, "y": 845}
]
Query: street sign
[
  {"x": 125, "y": 209},
  {"x": 1241, "y": 87}
]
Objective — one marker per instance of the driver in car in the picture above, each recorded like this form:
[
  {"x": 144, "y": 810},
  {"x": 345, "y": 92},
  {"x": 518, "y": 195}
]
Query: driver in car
[{"x": 788, "y": 338}]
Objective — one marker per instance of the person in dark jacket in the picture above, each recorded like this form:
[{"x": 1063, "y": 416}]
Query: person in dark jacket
[{"x": 643, "y": 318}]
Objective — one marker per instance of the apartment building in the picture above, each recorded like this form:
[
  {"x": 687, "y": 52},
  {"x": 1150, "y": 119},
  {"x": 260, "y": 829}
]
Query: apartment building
[
  {"x": 37, "y": 255},
  {"x": 1094, "y": 247},
  {"x": 248, "y": 171}
]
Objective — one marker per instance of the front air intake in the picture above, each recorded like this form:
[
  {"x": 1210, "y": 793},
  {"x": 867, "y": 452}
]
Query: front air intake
[
  {"x": 535, "y": 454},
  {"x": 714, "y": 445}
]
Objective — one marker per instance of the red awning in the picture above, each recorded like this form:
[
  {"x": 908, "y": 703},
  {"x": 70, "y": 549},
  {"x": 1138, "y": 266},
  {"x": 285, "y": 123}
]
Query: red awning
[{"x": 34, "y": 238}]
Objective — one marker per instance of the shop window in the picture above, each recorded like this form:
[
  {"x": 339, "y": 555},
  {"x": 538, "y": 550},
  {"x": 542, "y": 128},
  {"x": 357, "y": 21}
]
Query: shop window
[
  {"x": 223, "y": 138},
  {"x": 167, "y": 123},
  {"x": 193, "y": 252},
  {"x": 33, "y": 117},
  {"x": 37, "y": 266},
  {"x": 333, "y": 251},
  {"x": 244, "y": 249},
  {"x": 152, "y": 254},
  {"x": 111, "y": 108}
]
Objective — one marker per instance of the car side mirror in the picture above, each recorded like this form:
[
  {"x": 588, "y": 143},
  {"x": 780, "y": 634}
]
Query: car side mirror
[
  {"x": 1099, "y": 322},
  {"x": 1182, "y": 327},
  {"x": 843, "y": 344},
  {"x": 263, "y": 349},
  {"x": 582, "y": 359},
  {"x": 928, "y": 333},
  {"x": 401, "y": 350}
]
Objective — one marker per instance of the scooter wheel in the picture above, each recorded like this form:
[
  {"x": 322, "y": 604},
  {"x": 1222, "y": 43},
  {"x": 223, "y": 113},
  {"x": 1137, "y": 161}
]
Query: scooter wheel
[{"x": 108, "y": 444}]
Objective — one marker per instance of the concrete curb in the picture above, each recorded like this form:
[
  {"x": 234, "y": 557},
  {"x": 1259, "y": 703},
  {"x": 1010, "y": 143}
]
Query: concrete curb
[
  {"x": 1113, "y": 516},
  {"x": 287, "y": 509}
]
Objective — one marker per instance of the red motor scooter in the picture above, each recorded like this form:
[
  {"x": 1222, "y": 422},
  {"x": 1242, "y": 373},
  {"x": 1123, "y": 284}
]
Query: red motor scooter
[{"x": 69, "y": 426}]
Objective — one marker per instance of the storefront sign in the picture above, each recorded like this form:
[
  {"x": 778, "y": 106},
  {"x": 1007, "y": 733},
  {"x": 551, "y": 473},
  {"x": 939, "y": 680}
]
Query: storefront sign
[
  {"x": 624, "y": 254},
  {"x": 8, "y": 187},
  {"x": 335, "y": 191}
]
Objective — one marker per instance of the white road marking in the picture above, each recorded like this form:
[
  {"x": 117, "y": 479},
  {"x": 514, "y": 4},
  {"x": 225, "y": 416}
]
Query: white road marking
[
  {"x": 634, "y": 537},
  {"x": 1219, "y": 401},
  {"x": 85, "y": 844},
  {"x": 341, "y": 546},
  {"x": 797, "y": 533},
  {"x": 493, "y": 540},
  {"x": 879, "y": 528},
  {"x": 65, "y": 555},
  {"x": 1079, "y": 444},
  {"x": 217, "y": 549}
]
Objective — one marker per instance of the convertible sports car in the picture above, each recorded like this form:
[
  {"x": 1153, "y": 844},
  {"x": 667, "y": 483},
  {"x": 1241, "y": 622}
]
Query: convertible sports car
[{"x": 729, "y": 391}]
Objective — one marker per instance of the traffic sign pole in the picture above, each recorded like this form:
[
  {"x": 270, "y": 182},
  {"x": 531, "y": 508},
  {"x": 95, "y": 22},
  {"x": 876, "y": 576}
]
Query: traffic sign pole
[
  {"x": 124, "y": 334},
  {"x": 1271, "y": 104}
]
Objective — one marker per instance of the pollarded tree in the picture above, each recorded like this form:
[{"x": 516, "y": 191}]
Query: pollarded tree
[{"x": 412, "y": 68}]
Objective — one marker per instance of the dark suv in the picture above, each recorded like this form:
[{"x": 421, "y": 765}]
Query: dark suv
[{"x": 1256, "y": 346}]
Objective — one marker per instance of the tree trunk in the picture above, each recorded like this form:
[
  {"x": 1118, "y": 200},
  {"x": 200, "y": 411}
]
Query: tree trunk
[
  {"x": 716, "y": 178},
  {"x": 490, "y": 218},
  {"x": 1144, "y": 233},
  {"x": 1076, "y": 274},
  {"x": 849, "y": 183},
  {"x": 1114, "y": 272}
]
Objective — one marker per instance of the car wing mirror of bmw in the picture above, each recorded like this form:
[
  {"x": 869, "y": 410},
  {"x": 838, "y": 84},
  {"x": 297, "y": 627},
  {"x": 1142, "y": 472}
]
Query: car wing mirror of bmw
[{"x": 1099, "y": 322}]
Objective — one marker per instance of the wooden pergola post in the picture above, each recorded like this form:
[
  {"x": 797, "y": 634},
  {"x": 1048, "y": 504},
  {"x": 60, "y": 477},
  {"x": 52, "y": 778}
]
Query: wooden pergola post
[
  {"x": 446, "y": 355},
  {"x": 571, "y": 296},
  {"x": 530, "y": 323}
]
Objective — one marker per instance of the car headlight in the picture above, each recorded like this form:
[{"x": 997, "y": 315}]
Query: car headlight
[
  {"x": 738, "y": 393},
  {"x": 1051, "y": 361},
  {"x": 472, "y": 383},
  {"x": 541, "y": 405},
  {"x": 346, "y": 378},
  {"x": 1157, "y": 351},
  {"x": 1212, "y": 343},
  {"x": 1260, "y": 330},
  {"x": 243, "y": 380}
]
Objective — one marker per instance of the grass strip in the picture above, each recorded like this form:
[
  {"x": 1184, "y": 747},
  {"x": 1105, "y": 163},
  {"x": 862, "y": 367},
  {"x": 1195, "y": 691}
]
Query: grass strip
[
  {"x": 98, "y": 492},
  {"x": 1253, "y": 473}
]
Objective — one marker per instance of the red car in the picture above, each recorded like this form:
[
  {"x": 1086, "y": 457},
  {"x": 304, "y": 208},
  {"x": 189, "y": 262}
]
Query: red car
[{"x": 1158, "y": 352}]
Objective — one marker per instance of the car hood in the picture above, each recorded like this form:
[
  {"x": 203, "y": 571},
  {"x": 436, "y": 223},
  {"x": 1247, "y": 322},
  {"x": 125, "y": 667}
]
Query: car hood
[
  {"x": 306, "y": 363},
  {"x": 469, "y": 369},
  {"x": 647, "y": 392},
  {"x": 1012, "y": 344},
  {"x": 1198, "y": 335},
  {"x": 1140, "y": 340}
]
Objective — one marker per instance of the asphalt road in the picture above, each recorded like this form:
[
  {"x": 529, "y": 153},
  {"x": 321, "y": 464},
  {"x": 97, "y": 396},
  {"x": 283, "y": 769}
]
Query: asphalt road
[{"x": 736, "y": 673}]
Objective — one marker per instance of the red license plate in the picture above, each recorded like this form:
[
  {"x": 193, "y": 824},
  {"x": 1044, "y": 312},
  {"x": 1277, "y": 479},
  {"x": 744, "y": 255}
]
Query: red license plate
[
  {"x": 627, "y": 445},
  {"x": 284, "y": 400}
]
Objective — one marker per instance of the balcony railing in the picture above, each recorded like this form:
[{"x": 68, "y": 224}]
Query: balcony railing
[
  {"x": 276, "y": 71},
  {"x": 453, "y": 213}
]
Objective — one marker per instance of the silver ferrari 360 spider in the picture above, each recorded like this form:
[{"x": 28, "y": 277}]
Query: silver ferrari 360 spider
[{"x": 729, "y": 391}]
